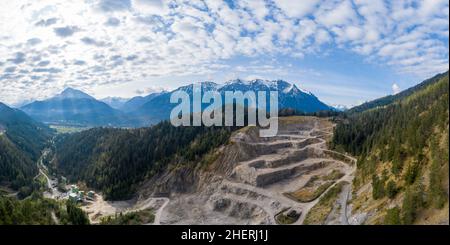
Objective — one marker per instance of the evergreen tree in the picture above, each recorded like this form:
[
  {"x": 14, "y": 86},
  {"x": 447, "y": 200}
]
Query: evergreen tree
[
  {"x": 76, "y": 215},
  {"x": 391, "y": 189},
  {"x": 392, "y": 216}
]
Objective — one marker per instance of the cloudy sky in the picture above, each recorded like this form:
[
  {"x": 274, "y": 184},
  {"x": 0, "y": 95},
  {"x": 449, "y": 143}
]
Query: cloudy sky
[{"x": 344, "y": 51}]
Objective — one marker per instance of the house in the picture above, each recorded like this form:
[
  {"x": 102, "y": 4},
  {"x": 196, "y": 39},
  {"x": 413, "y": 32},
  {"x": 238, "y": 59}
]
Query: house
[
  {"x": 73, "y": 197},
  {"x": 75, "y": 194}
]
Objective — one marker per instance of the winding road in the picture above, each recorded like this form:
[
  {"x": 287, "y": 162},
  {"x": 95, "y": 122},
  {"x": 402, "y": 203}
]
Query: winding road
[{"x": 52, "y": 190}]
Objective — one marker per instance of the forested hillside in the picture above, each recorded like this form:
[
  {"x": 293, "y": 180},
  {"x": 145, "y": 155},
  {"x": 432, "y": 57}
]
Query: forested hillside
[
  {"x": 402, "y": 150},
  {"x": 16, "y": 170},
  {"x": 28, "y": 135},
  {"x": 21, "y": 141},
  {"x": 37, "y": 210},
  {"x": 115, "y": 161},
  {"x": 392, "y": 98}
]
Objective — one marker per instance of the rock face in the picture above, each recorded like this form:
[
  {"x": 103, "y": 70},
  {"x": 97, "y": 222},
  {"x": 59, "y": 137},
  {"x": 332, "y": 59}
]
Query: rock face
[{"x": 247, "y": 182}]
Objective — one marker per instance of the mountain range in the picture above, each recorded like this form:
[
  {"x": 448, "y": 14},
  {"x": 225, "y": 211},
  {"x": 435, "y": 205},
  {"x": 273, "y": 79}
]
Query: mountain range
[
  {"x": 74, "y": 107},
  {"x": 289, "y": 96}
]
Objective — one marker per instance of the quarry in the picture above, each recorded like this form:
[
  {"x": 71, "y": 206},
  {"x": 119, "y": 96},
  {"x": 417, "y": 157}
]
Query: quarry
[{"x": 260, "y": 180}]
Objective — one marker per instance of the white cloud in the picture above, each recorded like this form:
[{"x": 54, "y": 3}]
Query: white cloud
[
  {"x": 354, "y": 32},
  {"x": 340, "y": 13},
  {"x": 432, "y": 7},
  {"x": 257, "y": 7},
  {"x": 108, "y": 43},
  {"x": 395, "y": 88},
  {"x": 322, "y": 36},
  {"x": 150, "y": 90},
  {"x": 296, "y": 9},
  {"x": 155, "y": 7}
]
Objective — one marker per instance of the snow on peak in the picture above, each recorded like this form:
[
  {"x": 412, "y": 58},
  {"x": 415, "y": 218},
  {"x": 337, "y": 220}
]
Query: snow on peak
[
  {"x": 304, "y": 90},
  {"x": 267, "y": 83},
  {"x": 234, "y": 81},
  {"x": 255, "y": 84},
  {"x": 293, "y": 88}
]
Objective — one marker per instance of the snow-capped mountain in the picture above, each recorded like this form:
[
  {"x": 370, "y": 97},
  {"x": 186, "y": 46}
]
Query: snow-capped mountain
[{"x": 289, "y": 96}]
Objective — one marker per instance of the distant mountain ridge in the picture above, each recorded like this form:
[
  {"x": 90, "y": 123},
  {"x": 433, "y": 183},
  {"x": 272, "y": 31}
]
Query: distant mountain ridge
[
  {"x": 136, "y": 102},
  {"x": 289, "y": 96},
  {"x": 76, "y": 107},
  {"x": 115, "y": 102}
]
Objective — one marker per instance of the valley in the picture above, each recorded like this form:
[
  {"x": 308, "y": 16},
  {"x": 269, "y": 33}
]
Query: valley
[
  {"x": 256, "y": 191},
  {"x": 97, "y": 208}
]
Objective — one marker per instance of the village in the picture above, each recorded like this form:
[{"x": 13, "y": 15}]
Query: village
[
  {"x": 76, "y": 195},
  {"x": 63, "y": 191},
  {"x": 57, "y": 188}
]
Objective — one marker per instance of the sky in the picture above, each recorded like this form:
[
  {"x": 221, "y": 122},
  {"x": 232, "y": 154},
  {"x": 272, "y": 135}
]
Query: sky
[{"x": 343, "y": 51}]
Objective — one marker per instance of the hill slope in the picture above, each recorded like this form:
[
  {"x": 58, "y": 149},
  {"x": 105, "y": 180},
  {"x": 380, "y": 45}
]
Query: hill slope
[
  {"x": 403, "y": 154},
  {"x": 392, "y": 98},
  {"x": 115, "y": 161},
  {"x": 21, "y": 140}
]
